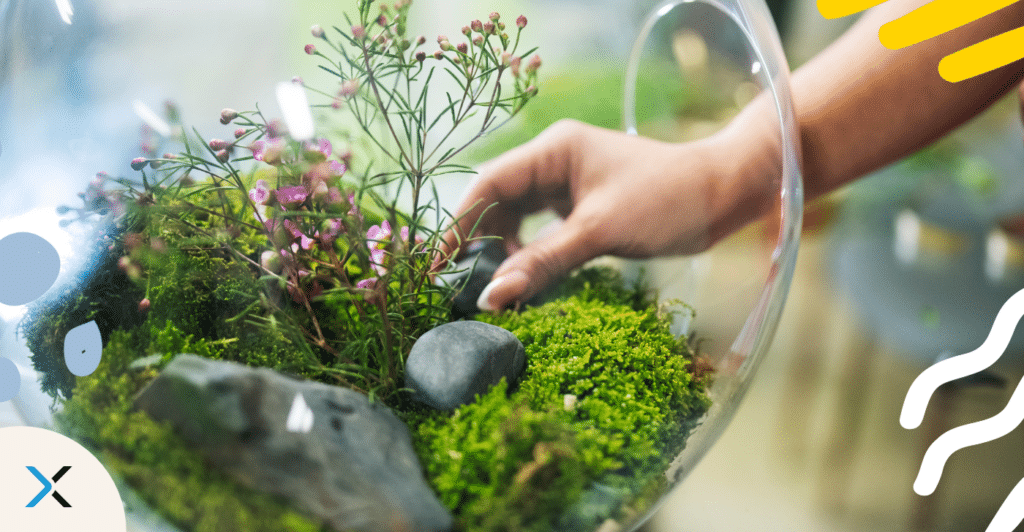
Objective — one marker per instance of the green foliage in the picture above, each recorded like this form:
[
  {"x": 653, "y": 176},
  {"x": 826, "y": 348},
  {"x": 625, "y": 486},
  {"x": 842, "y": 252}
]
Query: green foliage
[
  {"x": 156, "y": 462},
  {"x": 106, "y": 295}
]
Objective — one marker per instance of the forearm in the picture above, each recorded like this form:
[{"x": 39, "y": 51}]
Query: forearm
[{"x": 861, "y": 106}]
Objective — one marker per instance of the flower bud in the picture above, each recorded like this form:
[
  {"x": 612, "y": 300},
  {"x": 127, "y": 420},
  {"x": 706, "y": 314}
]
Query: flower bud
[
  {"x": 298, "y": 80},
  {"x": 317, "y": 31},
  {"x": 477, "y": 26},
  {"x": 358, "y": 32},
  {"x": 521, "y": 22},
  {"x": 349, "y": 87},
  {"x": 533, "y": 65},
  {"x": 514, "y": 63},
  {"x": 441, "y": 39},
  {"x": 420, "y": 40},
  {"x": 478, "y": 40},
  {"x": 421, "y": 56},
  {"x": 222, "y": 156},
  {"x": 466, "y": 31},
  {"x": 531, "y": 90},
  {"x": 275, "y": 129},
  {"x": 271, "y": 261},
  {"x": 144, "y": 305},
  {"x": 506, "y": 59},
  {"x": 489, "y": 28},
  {"x": 227, "y": 115},
  {"x": 438, "y": 55},
  {"x": 218, "y": 144},
  {"x": 494, "y": 16},
  {"x": 445, "y": 46},
  {"x": 382, "y": 20},
  {"x": 462, "y": 48},
  {"x": 139, "y": 163},
  {"x": 310, "y": 49},
  {"x": 501, "y": 26}
]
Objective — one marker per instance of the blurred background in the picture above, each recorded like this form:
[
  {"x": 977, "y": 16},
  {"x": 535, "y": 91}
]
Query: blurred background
[{"x": 895, "y": 272}]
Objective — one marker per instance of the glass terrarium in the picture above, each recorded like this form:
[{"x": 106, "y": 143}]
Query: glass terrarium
[{"x": 260, "y": 321}]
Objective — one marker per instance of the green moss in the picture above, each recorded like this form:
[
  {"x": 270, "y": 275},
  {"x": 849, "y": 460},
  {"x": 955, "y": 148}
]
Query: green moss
[
  {"x": 635, "y": 402},
  {"x": 158, "y": 464}
]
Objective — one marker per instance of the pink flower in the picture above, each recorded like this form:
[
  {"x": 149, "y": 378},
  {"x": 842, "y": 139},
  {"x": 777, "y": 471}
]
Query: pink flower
[
  {"x": 353, "y": 210},
  {"x": 377, "y": 235},
  {"x": 331, "y": 229},
  {"x": 336, "y": 168},
  {"x": 310, "y": 49},
  {"x": 521, "y": 22},
  {"x": 367, "y": 284},
  {"x": 260, "y": 194},
  {"x": 292, "y": 196},
  {"x": 321, "y": 146},
  {"x": 268, "y": 151},
  {"x": 377, "y": 259},
  {"x": 404, "y": 233}
]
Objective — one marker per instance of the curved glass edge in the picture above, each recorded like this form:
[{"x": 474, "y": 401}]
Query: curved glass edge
[{"x": 754, "y": 20}]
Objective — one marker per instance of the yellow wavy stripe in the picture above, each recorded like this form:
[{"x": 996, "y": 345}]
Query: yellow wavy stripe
[
  {"x": 934, "y": 19},
  {"x": 831, "y": 9},
  {"x": 985, "y": 56}
]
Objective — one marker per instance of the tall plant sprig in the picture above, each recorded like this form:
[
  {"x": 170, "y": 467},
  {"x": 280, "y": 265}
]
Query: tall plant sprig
[
  {"x": 386, "y": 78},
  {"x": 345, "y": 269}
]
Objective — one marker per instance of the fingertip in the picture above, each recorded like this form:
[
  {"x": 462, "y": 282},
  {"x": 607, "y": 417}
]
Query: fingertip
[{"x": 503, "y": 291}]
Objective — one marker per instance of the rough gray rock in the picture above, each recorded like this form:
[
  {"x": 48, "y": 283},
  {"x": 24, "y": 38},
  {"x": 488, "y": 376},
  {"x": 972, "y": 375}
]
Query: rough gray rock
[
  {"x": 451, "y": 364},
  {"x": 327, "y": 450}
]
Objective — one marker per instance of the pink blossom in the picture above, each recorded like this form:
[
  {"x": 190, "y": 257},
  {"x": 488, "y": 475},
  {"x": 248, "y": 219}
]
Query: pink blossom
[
  {"x": 367, "y": 284},
  {"x": 260, "y": 194},
  {"x": 333, "y": 196},
  {"x": 321, "y": 146},
  {"x": 330, "y": 230},
  {"x": 378, "y": 234},
  {"x": 292, "y": 196},
  {"x": 336, "y": 168},
  {"x": 268, "y": 151},
  {"x": 353, "y": 210}
]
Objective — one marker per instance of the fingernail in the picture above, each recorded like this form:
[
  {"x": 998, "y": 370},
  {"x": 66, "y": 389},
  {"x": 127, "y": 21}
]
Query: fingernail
[{"x": 513, "y": 282}]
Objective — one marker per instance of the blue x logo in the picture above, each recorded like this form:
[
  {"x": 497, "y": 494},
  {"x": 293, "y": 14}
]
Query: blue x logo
[{"x": 47, "y": 486}]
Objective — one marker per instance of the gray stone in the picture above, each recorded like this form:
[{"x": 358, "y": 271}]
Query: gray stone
[
  {"x": 327, "y": 450},
  {"x": 449, "y": 365},
  {"x": 472, "y": 274}
]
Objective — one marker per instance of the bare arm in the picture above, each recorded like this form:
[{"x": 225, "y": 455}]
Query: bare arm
[{"x": 860, "y": 106}]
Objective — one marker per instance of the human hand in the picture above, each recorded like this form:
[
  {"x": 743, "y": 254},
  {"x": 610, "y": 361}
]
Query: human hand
[{"x": 619, "y": 195}]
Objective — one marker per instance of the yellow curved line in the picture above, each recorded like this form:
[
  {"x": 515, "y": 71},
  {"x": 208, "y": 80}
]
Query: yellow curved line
[
  {"x": 985, "y": 56},
  {"x": 831, "y": 9},
  {"x": 934, "y": 19}
]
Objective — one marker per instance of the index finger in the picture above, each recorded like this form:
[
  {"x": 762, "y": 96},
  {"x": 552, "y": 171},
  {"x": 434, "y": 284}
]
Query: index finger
[{"x": 510, "y": 187}]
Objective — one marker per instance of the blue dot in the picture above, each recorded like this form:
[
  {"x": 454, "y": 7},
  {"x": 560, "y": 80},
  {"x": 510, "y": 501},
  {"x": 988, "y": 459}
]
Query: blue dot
[
  {"x": 28, "y": 268},
  {"x": 10, "y": 380},
  {"x": 83, "y": 348}
]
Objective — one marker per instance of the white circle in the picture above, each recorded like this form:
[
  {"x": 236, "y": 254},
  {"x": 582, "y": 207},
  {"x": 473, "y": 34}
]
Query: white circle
[{"x": 95, "y": 504}]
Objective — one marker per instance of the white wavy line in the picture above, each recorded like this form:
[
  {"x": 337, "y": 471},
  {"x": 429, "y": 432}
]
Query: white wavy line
[
  {"x": 963, "y": 365},
  {"x": 983, "y": 431},
  {"x": 1011, "y": 513}
]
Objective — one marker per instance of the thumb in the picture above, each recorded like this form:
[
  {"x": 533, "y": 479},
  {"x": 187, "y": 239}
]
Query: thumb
[{"x": 540, "y": 263}]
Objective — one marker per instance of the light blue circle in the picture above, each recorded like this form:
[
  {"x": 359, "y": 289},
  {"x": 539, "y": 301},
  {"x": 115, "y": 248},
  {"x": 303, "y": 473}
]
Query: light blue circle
[
  {"x": 28, "y": 267},
  {"x": 10, "y": 380}
]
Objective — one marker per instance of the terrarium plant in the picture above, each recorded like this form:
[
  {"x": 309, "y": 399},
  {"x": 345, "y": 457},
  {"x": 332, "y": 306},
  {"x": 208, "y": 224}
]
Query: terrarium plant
[{"x": 315, "y": 253}]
